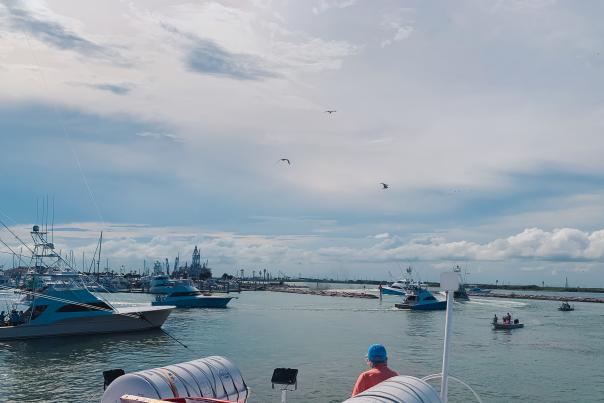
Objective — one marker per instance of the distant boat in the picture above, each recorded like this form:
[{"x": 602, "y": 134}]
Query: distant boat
[
  {"x": 566, "y": 307},
  {"x": 506, "y": 325},
  {"x": 479, "y": 291},
  {"x": 399, "y": 286},
  {"x": 419, "y": 298},
  {"x": 160, "y": 284},
  {"x": 396, "y": 288},
  {"x": 183, "y": 294},
  {"x": 460, "y": 294}
]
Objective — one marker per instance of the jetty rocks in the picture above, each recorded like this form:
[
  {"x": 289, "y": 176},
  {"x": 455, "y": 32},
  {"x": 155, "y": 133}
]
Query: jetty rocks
[
  {"x": 539, "y": 297},
  {"x": 325, "y": 293}
]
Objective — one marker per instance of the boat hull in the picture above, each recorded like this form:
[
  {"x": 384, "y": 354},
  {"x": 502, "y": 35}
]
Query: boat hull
[
  {"x": 195, "y": 302},
  {"x": 433, "y": 306},
  {"x": 501, "y": 326},
  {"x": 137, "y": 320},
  {"x": 391, "y": 291}
]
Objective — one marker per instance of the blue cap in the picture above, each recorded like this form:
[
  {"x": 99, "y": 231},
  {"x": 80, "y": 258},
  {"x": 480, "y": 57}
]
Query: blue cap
[{"x": 376, "y": 353}]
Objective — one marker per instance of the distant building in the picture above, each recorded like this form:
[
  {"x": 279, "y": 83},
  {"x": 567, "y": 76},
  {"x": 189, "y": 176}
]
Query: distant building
[{"x": 197, "y": 270}]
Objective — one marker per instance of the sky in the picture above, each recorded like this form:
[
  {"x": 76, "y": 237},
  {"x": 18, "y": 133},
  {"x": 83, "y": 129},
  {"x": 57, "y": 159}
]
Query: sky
[{"x": 162, "y": 124}]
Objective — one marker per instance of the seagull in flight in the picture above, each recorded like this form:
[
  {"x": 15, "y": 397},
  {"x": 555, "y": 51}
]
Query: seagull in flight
[
  {"x": 285, "y": 160},
  {"x": 385, "y": 185},
  {"x": 330, "y": 111}
]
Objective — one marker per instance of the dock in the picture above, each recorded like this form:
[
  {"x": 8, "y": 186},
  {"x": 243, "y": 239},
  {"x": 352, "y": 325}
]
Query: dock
[{"x": 539, "y": 297}]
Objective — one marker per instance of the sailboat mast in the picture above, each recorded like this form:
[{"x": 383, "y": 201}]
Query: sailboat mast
[{"x": 98, "y": 262}]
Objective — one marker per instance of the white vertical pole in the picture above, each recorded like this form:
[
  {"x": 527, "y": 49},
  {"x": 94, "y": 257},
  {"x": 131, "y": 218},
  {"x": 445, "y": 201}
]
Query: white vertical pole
[
  {"x": 283, "y": 395},
  {"x": 448, "y": 325}
]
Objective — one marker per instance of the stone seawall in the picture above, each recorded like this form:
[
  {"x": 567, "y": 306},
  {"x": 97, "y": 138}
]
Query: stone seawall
[{"x": 325, "y": 293}]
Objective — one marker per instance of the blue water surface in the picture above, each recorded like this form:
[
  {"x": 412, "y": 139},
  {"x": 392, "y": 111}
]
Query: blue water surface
[{"x": 557, "y": 357}]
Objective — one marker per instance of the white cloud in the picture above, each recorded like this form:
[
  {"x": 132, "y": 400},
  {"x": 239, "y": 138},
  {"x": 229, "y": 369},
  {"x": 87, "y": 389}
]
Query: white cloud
[
  {"x": 564, "y": 244},
  {"x": 398, "y": 24},
  {"x": 159, "y": 136},
  {"x": 325, "y": 5}
]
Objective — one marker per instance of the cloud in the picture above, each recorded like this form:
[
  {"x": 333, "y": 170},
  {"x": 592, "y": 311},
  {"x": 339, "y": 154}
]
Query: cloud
[
  {"x": 208, "y": 58},
  {"x": 396, "y": 24},
  {"x": 52, "y": 33},
  {"x": 324, "y": 5},
  {"x": 117, "y": 89},
  {"x": 160, "y": 136},
  {"x": 564, "y": 245}
]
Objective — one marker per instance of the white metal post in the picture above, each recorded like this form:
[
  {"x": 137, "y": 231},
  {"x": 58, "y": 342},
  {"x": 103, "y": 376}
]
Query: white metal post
[
  {"x": 449, "y": 282},
  {"x": 448, "y": 325},
  {"x": 283, "y": 395}
]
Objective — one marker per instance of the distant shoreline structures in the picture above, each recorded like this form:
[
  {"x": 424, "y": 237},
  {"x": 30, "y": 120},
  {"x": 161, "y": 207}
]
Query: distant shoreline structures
[{"x": 511, "y": 287}]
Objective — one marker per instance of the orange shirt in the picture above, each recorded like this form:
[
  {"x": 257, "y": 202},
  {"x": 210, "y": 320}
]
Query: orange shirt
[{"x": 370, "y": 378}]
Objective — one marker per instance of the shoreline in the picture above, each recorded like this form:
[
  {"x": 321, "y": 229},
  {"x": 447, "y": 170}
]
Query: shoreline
[{"x": 539, "y": 297}]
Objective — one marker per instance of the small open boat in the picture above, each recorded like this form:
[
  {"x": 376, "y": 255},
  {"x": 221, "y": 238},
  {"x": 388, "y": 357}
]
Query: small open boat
[
  {"x": 566, "y": 307},
  {"x": 507, "y": 326}
]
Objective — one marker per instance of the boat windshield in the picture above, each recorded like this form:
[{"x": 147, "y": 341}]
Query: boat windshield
[{"x": 185, "y": 294}]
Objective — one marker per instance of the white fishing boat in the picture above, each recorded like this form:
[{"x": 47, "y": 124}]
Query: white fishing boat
[
  {"x": 400, "y": 286},
  {"x": 65, "y": 306},
  {"x": 160, "y": 284},
  {"x": 183, "y": 294}
]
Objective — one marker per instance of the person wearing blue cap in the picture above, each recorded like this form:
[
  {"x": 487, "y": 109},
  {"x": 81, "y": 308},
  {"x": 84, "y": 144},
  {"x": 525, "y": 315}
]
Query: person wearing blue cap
[{"x": 377, "y": 359}]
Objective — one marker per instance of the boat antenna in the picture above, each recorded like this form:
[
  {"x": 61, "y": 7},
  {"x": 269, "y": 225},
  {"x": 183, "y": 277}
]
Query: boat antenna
[
  {"x": 52, "y": 224},
  {"x": 63, "y": 128},
  {"x": 98, "y": 262}
]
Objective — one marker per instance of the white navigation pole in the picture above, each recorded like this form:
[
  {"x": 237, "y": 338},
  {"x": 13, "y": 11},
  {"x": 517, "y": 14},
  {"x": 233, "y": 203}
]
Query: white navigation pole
[{"x": 449, "y": 282}]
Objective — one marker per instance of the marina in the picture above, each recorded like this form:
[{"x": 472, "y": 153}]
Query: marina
[
  {"x": 325, "y": 333},
  {"x": 324, "y": 201}
]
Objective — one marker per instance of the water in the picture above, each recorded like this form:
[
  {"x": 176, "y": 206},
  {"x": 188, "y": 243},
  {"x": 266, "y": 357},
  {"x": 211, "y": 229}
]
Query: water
[{"x": 557, "y": 357}]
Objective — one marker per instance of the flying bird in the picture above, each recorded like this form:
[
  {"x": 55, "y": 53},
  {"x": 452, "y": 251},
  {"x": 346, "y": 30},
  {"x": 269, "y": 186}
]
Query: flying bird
[
  {"x": 330, "y": 111},
  {"x": 285, "y": 160},
  {"x": 385, "y": 185}
]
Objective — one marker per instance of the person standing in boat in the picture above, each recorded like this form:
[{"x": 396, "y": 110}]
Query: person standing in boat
[{"x": 377, "y": 359}]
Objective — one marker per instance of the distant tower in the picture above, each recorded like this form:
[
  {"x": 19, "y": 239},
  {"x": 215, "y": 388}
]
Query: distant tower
[
  {"x": 176, "y": 263},
  {"x": 157, "y": 269},
  {"x": 566, "y": 283},
  {"x": 167, "y": 267},
  {"x": 196, "y": 259}
]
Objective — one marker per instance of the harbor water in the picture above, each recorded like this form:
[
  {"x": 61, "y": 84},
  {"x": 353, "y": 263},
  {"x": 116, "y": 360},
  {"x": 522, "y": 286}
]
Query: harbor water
[{"x": 557, "y": 357}]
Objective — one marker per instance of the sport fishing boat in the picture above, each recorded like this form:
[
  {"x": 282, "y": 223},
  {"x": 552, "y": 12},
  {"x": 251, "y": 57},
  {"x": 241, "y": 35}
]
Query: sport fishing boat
[
  {"x": 182, "y": 294},
  {"x": 160, "y": 284},
  {"x": 65, "y": 306},
  {"x": 396, "y": 288},
  {"x": 399, "y": 286},
  {"x": 419, "y": 298},
  {"x": 566, "y": 307},
  {"x": 461, "y": 293}
]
